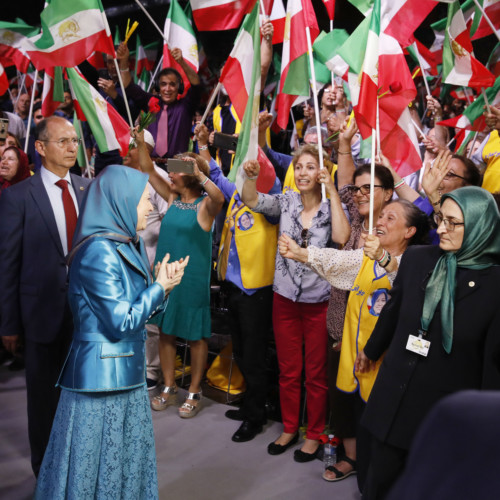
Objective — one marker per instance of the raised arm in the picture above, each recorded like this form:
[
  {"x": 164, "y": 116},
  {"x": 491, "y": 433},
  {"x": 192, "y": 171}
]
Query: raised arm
[
  {"x": 266, "y": 50},
  {"x": 345, "y": 163},
  {"x": 249, "y": 194},
  {"x": 191, "y": 74}
]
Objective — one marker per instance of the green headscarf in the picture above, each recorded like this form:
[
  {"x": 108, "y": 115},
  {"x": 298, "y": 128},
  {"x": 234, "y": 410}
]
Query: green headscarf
[{"x": 480, "y": 249}]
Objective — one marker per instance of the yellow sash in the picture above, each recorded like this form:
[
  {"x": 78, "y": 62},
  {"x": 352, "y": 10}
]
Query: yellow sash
[{"x": 491, "y": 155}]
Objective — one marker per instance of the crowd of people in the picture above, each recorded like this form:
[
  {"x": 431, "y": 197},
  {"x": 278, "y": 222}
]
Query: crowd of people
[{"x": 101, "y": 271}]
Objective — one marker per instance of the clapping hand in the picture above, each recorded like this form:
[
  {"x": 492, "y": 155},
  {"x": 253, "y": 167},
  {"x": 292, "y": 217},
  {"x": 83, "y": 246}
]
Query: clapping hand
[{"x": 169, "y": 274}]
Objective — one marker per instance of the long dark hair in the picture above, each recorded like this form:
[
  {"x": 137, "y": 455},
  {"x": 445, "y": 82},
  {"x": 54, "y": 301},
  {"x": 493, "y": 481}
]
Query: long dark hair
[{"x": 417, "y": 219}]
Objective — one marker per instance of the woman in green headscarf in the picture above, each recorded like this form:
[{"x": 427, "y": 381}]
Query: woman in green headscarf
[{"x": 441, "y": 330}]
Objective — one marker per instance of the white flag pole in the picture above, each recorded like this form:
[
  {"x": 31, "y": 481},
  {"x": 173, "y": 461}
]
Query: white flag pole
[
  {"x": 379, "y": 148},
  {"x": 30, "y": 114},
  {"x": 125, "y": 100},
  {"x": 485, "y": 100},
  {"x": 419, "y": 57},
  {"x": 152, "y": 20},
  {"x": 210, "y": 102},
  {"x": 372, "y": 182},
  {"x": 333, "y": 74},
  {"x": 87, "y": 165},
  {"x": 488, "y": 20},
  {"x": 158, "y": 66},
  {"x": 316, "y": 108},
  {"x": 469, "y": 154}
]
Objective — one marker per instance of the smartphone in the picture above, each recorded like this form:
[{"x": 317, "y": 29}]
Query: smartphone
[
  {"x": 225, "y": 141},
  {"x": 180, "y": 166},
  {"x": 4, "y": 126}
]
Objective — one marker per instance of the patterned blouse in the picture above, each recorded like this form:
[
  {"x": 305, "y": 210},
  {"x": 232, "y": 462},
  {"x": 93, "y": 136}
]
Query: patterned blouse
[{"x": 295, "y": 280}]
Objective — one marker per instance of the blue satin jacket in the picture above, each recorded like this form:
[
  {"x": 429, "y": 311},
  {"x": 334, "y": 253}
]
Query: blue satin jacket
[{"x": 111, "y": 300}]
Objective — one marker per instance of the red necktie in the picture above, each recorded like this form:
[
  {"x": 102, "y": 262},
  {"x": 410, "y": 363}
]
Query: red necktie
[
  {"x": 69, "y": 211},
  {"x": 162, "y": 134}
]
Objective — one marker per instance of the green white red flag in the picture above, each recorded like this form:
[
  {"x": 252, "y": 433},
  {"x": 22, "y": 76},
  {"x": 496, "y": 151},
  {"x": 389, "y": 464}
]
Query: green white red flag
[
  {"x": 294, "y": 60},
  {"x": 472, "y": 118},
  {"x": 71, "y": 31},
  {"x": 179, "y": 34},
  {"x": 13, "y": 43},
  {"x": 326, "y": 50},
  {"x": 478, "y": 26},
  {"x": 4, "y": 81},
  {"x": 53, "y": 90},
  {"x": 460, "y": 67},
  {"x": 110, "y": 130},
  {"x": 145, "y": 56},
  {"x": 219, "y": 15}
]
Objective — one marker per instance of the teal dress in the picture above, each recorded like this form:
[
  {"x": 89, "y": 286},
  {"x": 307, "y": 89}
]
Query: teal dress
[{"x": 187, "y": 314}]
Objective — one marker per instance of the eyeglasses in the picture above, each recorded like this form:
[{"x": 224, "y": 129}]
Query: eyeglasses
[
  {"x": 305, "y": 237},
  {"x": 364, "y": 189},
  {"x": 65, "y": 142},
  {"x": 450, "y": 175},
  {"x": 449, "y": 225}
]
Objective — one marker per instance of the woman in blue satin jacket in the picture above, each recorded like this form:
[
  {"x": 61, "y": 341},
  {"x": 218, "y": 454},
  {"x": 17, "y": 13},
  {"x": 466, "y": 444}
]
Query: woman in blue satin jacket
[{"x": 102, "y": 442}]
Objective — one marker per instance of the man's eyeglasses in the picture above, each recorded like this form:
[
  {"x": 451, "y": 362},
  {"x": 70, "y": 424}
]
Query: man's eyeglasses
[
  {"x": 65, "y": 142},
  {"x": 449, "y": 225},
  {"x": 305, "y": 237},
  {"x": 364, "y": 189}
]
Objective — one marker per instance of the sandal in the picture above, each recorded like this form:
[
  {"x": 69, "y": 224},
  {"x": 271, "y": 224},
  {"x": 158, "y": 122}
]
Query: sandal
[
  {"x": 166, "y": 398},
  {"x": 339, "y": 475},
  {"x": 188, "y": 410}
]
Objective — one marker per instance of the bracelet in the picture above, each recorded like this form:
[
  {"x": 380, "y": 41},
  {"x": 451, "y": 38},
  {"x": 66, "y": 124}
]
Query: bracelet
[
  {"x": 205, "y": 181},
  {"x": 203, "y": 148},
  {"x": 252, "y": 178},
  {"x": 383, "y": 257},
  {"x": 343, "y": 152},
  {"x": 124, "y": 70},
  {"x": 387, "y": 262},
  {"x": 399, "y": 184}
]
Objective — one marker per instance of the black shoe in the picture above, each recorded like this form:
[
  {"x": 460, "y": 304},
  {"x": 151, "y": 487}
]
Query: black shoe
[
  {"x": 235, "y": 415},
  {"x": 302, "y": 457},
  {"x": 246, "y": 432},
  {"x": 152, "y": 384},
  {"x": 278, "y": 449}
]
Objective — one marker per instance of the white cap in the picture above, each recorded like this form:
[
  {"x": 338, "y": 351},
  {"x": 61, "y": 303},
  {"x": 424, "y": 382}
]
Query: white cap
[{"x": 148, "y": 139}]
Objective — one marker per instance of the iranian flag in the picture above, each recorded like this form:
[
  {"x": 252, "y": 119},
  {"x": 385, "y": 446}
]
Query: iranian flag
[
  {"x": 277, "y": 17},
  {"x": 249, "y": 38},
  {"x": 4, "y": 81},
  {"x": 326, "y": 50},
  {"x": 236, "y": 76},
  {"x": 460, "y": 67},
  {"x": 110, "y": 130},
  {"x": 294, "y": 59},
  {"x": 96, "y": 60},
  {"x": 219, "y": 15},
  {"x": 144, "y": 79},
  {"x": 366, "y": 110},
  {"x": 479, "y": 27},
  {"x": 145, "y": 56},
  {"x": 13, "y": 43},
  {"x": 472, "y": 118},
  {"x": 53, "y": 90},
  {"x": 429, "y": 62},
  {"x": 71, "y": 31},
  {"x": 180, "y": 34},
  {"x": 330, "y": 8}
]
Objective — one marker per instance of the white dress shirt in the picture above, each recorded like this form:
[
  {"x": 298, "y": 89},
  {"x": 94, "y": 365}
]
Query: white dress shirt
[{"x": 49, "y": 180}]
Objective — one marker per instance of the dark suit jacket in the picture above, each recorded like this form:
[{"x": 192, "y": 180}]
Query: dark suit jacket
[
  {"x": 408, "y": 384},
  {"x": 455, "y": 452},
  {"x": 33, "y": 271}
]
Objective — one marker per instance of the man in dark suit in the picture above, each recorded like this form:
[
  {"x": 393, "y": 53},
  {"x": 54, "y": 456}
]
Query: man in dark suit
[{"x": 37, "y": 217}]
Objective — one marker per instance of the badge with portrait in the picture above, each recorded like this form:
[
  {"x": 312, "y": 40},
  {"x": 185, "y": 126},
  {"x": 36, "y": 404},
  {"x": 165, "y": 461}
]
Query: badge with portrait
[{"x": 418, "y": 344}]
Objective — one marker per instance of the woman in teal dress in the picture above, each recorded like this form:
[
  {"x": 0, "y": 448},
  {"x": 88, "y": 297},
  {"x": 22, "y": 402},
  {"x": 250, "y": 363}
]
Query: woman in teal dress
[
  {"x": 102, "y": 441},
  {"x": 186, "y": 229}
]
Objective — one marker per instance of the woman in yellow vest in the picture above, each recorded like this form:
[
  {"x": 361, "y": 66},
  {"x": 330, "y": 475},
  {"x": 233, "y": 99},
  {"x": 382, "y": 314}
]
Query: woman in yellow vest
[{"x": 400, "y": 224}]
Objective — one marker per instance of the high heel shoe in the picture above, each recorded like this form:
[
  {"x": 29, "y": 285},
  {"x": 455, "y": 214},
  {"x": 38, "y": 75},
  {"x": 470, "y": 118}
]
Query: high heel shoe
[
  {"x": 166, "y": 398},
  {"x": 188, "y": 410}
]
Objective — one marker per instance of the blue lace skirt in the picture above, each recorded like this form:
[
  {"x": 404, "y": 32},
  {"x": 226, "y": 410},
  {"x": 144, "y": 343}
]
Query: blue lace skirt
[{"x": 101, "y": 447}]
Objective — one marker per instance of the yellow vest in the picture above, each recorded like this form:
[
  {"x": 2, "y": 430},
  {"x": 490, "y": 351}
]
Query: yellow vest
[
  {"x": 367, "y": 298},
  {"x": 491, "y": 156},
  {"x": 218, "y": 127},
  {"x": 289, "y": 184},
  {"x": 256, "y": 241}
]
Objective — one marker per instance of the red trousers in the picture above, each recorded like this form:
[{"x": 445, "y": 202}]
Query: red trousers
[{"x": 299, "y": 328}]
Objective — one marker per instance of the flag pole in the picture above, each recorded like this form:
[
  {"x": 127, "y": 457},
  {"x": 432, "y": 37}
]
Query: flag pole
[
  {"x": 372, "y": 182},
  {"x": 422, "y": 68},
  {"x": 210, "y": 102},
  {"x": 87, "y": 165},
  {"x": 30, "y": 114},
  {"x": 417, "y": 127},
  {"x": 379, "y": 148},
  {"x": 316, "y": 108},
  {"x": 469, "y": 154},
  {"x": 125, "y": 100},
  {"x": 158, "y": 66},
  {"x": 152, "y": 20},
  {"x": 467, "y": 95},
  {"x": 486, "y": 100},
  {"x": 488, "y": 20},
  {"x": 333, "y": 75}
]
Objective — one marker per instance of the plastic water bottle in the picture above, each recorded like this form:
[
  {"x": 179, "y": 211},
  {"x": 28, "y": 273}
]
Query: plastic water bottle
[{"x": 329, "y": 453}]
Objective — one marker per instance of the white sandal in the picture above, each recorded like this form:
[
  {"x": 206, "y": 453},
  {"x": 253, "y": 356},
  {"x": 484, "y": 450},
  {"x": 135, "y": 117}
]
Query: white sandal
[
  {"x": 188, "y": 410},
  {"x": 166, "y": 398}
]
